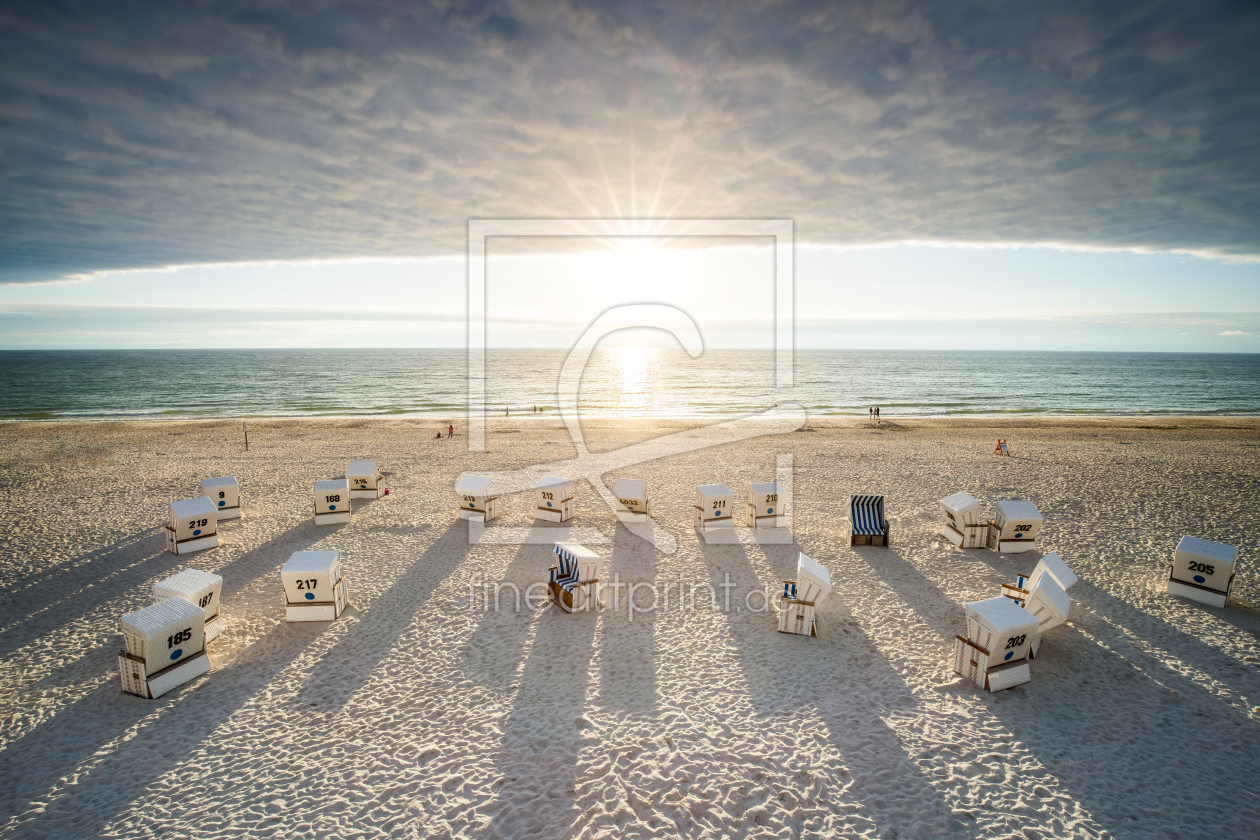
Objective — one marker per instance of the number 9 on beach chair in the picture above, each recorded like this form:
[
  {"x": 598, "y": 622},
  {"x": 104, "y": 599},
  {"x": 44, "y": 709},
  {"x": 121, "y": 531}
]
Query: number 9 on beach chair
[
  {"x": 867, "y": 525},
  {"x": 802, "y": 596},
  {"x": 574, "y": 581}
]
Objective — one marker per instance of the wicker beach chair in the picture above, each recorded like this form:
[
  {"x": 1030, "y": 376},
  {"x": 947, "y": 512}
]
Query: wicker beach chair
[{"x": 868, "y": 526}]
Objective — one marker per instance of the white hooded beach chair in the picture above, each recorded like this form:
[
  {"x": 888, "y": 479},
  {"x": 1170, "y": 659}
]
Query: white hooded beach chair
[
  {"x": 633, "y": 504},
  {"x": 196, "y": 587},
  {"x": 802, "y": 596},
  {"x": 965, "y": 526},
  {"x": 332, "y": 502},
  {"x": 1203, "y": 571},
  {"x": 365, "y": 480},
  {"x": 994, "y": 653},
  {"x": 867, "y": 523},
  {"x": 165, "y": 647},
  {"x": 226, "y": 495},
  {"x": 715, "y": 506},
  {"x": 193, "y": 526},
  {"x": 476, "y": 501},
  {"x": 315, "y": 588},
  {"x": 554, "y": 496},
  {"x": 1052, "y": 564},
  {"x": 1016, "y": 527},
  {"x": 766, "y": 506},
  {"x": 574, "y": 581}
]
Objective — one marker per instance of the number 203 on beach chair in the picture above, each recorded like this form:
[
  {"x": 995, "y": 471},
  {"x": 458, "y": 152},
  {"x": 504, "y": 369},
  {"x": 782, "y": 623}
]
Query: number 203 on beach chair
[{"x": 867, "y": 525}]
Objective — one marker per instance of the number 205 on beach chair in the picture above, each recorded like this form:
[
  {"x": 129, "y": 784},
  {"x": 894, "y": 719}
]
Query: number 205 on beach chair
[
  {"x": 867, "y": 524},
  {"x": 574, "y": 581},
  {"x": 1202, "y": 571},
  {"x": 802, "y": 596},
  {"x": 165, "y": 647}
]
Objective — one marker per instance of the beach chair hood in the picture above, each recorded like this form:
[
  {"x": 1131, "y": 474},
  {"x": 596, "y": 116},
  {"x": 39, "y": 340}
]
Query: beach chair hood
[{"x": 867, "y": 515}]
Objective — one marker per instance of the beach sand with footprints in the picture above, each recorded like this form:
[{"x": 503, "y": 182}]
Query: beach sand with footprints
[{"x": 416, "y": 715}]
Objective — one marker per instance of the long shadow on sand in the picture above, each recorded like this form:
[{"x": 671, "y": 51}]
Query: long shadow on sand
[
  {"x": 886, "y": 783},
  {"x": 342, "y": 670},
  {"x": 627, "y": 679},
  {"x": 35, "y": 764},
  {"x": 537, "y": 758}
]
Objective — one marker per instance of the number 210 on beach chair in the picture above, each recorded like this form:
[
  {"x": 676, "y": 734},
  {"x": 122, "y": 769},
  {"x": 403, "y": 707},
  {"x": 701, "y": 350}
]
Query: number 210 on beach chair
[{"x": 866, "y": 520}]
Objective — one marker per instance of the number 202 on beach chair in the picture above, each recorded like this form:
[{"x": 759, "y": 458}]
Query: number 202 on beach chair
[
  {"x": 574, "y": 580},
  {"x": 867, "y": 525}
]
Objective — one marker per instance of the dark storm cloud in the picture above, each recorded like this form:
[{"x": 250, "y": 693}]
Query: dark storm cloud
[{"x": 150, "y": 134}]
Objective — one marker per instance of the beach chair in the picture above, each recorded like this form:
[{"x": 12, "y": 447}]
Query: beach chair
[
  {"x": 803, "y": 596},
  {"x": 554, "y": 499},
  {"x": 476, "y": 502},
  {"x": 1001, "y": 448},
  {"x": 365, "y": 480},
  {"x": 867, "y": 524},
  {"x": 1015, "y": 528},
  {"x": 965, "y": 527},
  {"x": 766, "y": 506},
  {"x": 226, "y": 495},
  {"x": 994, "y": 653},
  {"x": 1202, "y": 571},
  {"x": 315, "y": 588},
  {"x": 200, "y": 588},
  {"x": 633, "y": 504},
  {"x": 332, "y": 502},
  {"x": 193, "y": 526},
  {"x": 715, "y": 506},
  {"x": 165, "y": 647},
  {"x": 573, "y": 583},
  {"x": 1044, "y": 595},
  {"x": 1052, "y": 564}
]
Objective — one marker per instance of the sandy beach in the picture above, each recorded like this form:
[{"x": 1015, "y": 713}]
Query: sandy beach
[{"x": 418, "y": 714}]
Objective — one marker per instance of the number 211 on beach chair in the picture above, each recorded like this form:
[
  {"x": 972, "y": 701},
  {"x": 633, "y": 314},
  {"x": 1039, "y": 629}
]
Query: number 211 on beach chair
[{"x": 866, "y": 519}]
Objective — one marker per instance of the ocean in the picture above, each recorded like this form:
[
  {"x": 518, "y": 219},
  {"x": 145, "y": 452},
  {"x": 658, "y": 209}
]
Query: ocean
[{"x": 630, "y": 382}]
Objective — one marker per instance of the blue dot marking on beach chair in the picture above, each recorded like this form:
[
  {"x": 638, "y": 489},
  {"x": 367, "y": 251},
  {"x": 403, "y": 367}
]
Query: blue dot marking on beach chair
[
  {"x": 1010, "y": 654},
  {"x": 177, "y": 654},
  {"x": 548, "y": 504},
  {"x": 717, "y": 513},
  {"x": 222, "y": 504},
  {"x": 310, "y": 596},
  {"x": 1200, "y": 579},
  {"x": 472, "y": 504},
  {"x": 769, "y": 510},
  {"x": 198, "y": 531},
  {"x": 332, "y": 507}
]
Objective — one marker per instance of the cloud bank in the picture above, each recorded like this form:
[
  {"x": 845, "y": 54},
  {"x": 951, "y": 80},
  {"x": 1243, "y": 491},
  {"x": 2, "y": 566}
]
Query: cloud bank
[{"x": 148, "y": 134}]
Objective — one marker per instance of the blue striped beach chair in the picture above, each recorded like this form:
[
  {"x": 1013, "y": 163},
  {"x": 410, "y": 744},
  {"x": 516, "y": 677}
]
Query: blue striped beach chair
[
  {"x": 573, "y": 582},
  {"x": 867, "y": 523}
]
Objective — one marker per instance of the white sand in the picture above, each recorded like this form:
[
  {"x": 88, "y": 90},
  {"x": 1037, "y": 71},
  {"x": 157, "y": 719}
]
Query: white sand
[{"x": 412, "y": 716}]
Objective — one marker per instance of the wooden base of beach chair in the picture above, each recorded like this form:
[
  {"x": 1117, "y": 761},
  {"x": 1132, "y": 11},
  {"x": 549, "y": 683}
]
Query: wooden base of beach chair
[
  {"x": 131, "y": 669},
  {"x": 1015, "y": 593},
  {"x": 563, "y": 514},
  {"x": 378, "y": 493},
  {"x": 1199, "y": 593},
  {"x": 214, "y": 628},
  {"x": 341, "y": 518},
  {"x": 797, "y": 617},
  {"x": 971, "y": 536},
  {"x": 630, "y": 517},
  {"x": 1007, "y": 546},
  {"x": 189, "y": 546},
  {"x": 579, "y": 599},
  {"x": 475, "y": 515},
  {"x": 229, "y": 513},
  {"x": 877, "y": 540},
  {"x": 321, "y": 610},
  {"x": 972, "y": 662}
]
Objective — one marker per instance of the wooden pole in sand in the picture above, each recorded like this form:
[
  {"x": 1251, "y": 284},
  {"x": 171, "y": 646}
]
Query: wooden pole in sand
[{"x": 246, "y": 427}]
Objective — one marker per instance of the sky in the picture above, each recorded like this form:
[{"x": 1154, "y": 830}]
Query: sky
[{"x": 982, "y": 175}]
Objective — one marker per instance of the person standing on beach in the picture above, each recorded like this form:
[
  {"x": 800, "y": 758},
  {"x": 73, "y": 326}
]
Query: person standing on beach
[{"x": 450, "y": 431}]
